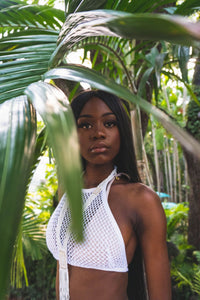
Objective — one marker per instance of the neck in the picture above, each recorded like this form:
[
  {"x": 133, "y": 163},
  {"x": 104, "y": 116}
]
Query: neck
[{"x": 95, "y": 174}]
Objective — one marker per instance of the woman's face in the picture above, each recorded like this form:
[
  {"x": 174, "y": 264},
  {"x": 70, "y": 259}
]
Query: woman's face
[{"x": 98, "y": 133}]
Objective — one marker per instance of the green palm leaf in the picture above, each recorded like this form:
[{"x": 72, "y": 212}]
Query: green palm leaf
[
  {"x": 24, "y": 65},
  {"x": 54, "y": 108},
  {"x": 131, "y": 26},
  {"x": 17, "y": 135},
  {"x": 18, "y": 15},
  {"x": 73, "y": 6},
  {"x": 18, "y": 268},
  {"x": 30, "y": 240},
  {"x": 188, "y": 7},
  {"x": 33, "y": 234},
  {"x": 116, "y": 57},
  {"x": 78, "y": 73},
  {"x": 34, "y": 34},
  {"x": 138, "y": 6}
]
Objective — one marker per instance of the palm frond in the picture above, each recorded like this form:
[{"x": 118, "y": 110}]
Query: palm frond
[
  {"x": 18, "y": 15},
  {"x": 17, "y": 135},
  {"x": 120, "y": 24},
  {"x": 33, "y": 234},
  {"x": 53, "y": 106},
  {"x": 18, "y": 268},
  {"x": 138, "y": 6},
  {"x": 112, "y": 49},
  {"x": 25, "y": 64},
  {"x": 196, "y": 285},
  {"x": 34, "y": 34},
  {"x": 30, "y": 240},
  {"x": 78, "y": 73},
  {"x": 188, "y": 7}
]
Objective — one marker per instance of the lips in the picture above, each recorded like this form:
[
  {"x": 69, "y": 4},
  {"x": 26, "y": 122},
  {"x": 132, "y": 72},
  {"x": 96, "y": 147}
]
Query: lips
[{"x": 98, "y": 148}]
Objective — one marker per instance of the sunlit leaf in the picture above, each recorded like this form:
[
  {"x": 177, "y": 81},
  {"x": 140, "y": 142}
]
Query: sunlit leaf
[
  {"x": 78, "y": 73},
  {"x": 28, "y": 39},
  {"x": 131, "y": 26},
  {"x": 54, "y": 108},
  {"x": 17, "y": 136},
  {"x": 19, "y": 14}
]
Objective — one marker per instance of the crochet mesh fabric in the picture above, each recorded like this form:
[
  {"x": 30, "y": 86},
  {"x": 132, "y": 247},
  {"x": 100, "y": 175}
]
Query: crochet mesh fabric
[{"x": 103, "y": 247}]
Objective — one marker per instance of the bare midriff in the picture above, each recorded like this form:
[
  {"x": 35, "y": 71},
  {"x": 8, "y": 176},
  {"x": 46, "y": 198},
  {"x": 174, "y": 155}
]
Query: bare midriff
[{"x": 90, "y": 284}]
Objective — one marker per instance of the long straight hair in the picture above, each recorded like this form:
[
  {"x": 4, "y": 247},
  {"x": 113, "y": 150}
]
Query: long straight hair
[{"x": 125, "y": 162}]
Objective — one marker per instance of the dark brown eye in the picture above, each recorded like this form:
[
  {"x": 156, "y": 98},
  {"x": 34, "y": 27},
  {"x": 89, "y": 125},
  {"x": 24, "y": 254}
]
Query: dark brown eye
[
  {"x": 84, "y": 125},
  {"x": 110, "y": 124}
]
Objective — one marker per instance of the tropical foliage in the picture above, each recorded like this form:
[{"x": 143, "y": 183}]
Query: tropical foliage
[
  {"x": 129, "y": 37},
  {"x": 185, "y": 263},
  {"x": 33, "y": 257}
]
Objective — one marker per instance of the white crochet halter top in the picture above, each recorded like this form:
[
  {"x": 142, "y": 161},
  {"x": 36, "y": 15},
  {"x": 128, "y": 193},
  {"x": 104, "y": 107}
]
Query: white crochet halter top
[{"x": 103, "y": 247}]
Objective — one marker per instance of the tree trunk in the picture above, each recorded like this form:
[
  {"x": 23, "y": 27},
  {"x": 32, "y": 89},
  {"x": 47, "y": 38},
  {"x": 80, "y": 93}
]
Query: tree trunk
[
  {"x": 157, "y": 167},
  {"x": 194, "y": 200},
  {"x": 193, "y": 126}
]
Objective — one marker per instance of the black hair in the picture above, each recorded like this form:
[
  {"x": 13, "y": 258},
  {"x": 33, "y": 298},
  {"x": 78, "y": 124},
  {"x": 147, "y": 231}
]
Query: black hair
[{"x": 126, "y": 163}]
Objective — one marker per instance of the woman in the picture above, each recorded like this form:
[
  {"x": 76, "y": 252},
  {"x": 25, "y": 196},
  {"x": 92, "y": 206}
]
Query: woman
[{"x": 124, "y": 223}]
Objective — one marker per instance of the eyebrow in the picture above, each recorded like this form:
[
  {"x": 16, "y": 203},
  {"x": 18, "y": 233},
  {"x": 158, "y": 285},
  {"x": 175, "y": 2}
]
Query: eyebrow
[{"x": 90, "y": 116}]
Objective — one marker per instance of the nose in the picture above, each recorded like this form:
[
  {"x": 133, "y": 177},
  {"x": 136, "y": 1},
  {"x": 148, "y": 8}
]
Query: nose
[{"x": 98, "y": 132}]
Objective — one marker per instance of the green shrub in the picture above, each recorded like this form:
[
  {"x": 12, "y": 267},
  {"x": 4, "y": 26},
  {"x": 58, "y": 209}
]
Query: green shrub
[{"x": 185, "y": 260}]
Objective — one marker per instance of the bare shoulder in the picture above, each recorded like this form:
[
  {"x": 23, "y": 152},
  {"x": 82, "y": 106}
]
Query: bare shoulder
[
  {"x": 141, "y": 202},
  {"x": 139, "y": 194},
  {"x": 149, "y": 209},
  {"x": 144, "y": 194}
]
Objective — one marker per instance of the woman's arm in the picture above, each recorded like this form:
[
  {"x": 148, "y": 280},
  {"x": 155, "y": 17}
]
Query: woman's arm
[{"x": 152, "y": 235}]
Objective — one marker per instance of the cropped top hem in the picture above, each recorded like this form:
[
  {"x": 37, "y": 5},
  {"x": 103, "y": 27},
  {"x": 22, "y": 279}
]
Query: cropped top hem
[{"x": 121, "y": 270}]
